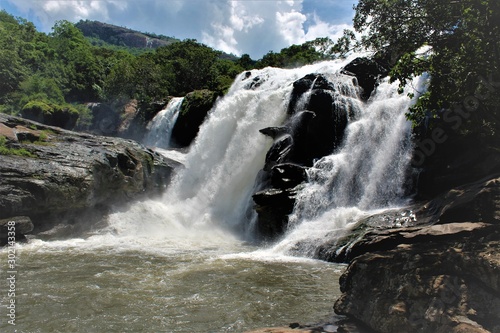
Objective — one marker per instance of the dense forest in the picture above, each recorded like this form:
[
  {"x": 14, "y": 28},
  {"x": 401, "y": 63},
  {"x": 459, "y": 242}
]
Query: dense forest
[{"x": 62, "y": 71}]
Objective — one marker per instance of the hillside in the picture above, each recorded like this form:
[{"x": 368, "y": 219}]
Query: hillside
[{"x": 100, "y": 32}]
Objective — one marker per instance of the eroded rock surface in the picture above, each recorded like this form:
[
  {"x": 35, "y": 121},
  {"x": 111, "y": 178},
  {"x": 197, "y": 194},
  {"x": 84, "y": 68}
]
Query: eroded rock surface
[
  {"x": 70, "y": 176},
  {"x": 443, "y": 277}
]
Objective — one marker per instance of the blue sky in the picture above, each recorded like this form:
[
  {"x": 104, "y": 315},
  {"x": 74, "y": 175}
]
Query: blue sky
[{"x": 254, "y": 27}]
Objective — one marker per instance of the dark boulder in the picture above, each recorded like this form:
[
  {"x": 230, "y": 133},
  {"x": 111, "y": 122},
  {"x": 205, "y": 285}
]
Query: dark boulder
[
  {"x": 279, "y": 151},
  {"x": 273, "y": 207},
  {"x": 18, "y": 226},
  {"x": 306, "y": 135},
  {"x": 287, "y": 176},
  {"x": 275, "y": 132},
  {"x": 319, "y": 130},
  {"x": 367, "y": 71},
  {"x": 194, "y": 110},
  {"x": 308, "y": 83},
  {"x": 321, "y": 135}
]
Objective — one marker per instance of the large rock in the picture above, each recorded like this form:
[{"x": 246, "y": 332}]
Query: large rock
[
  {"x": 306, "y": 135},
  {"x": 69, "y": 174},
  {"x": 18, "y": 226},
  {"x": 368, "y": 71},
  {"x": 448, "y": 281},
  {"x": 193, "y": 111},
  {"x": 442, "y": 277},
  {"x": 273, "y": 207}
]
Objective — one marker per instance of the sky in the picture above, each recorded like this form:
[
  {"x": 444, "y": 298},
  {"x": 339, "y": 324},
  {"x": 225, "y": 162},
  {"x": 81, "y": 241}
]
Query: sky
[{"x": 252, "y": 27}]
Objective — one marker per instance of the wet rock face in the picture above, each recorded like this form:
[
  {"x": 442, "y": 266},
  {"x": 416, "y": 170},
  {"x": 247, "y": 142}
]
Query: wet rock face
[
  {"x": 307, "y": 135},
  {"x": 68, "y": 174},
  {"x": 427, "y": 287},
  {"x": 367, "y": 72},
  {"x": 194, "y": 110}
]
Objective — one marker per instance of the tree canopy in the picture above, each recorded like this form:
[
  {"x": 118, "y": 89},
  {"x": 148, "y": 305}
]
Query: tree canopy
[{"x": 463, "y": 56}]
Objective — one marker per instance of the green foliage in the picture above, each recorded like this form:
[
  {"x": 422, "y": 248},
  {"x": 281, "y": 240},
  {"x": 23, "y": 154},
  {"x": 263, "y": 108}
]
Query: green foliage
[
  {"x": 38, "y": 107},
  {"x": 84, "y": 116},
  {"x": 312, "y": 51},
  {"x": 463, "y": 38},
  {"x": 37, "y": 87},
  {"x": 293, "y": 56},
  {"x": 5, "y": 150},
  {"x": 53, "y": 75},
  {"x": 198, "y": 99}
]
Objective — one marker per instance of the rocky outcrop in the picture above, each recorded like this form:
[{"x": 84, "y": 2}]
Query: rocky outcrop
[
  {"x": 368, "y": 72},
  {"x": 64, "y": 176},
  {"x": 194, "y": 109},
  {"x": 306, "y": 135},
  {"x": 442, "y": 277},
  {"x": 49, "y": 114},
  {"x": 18, "y": 225},
  {"x": 121, "y": 36}
]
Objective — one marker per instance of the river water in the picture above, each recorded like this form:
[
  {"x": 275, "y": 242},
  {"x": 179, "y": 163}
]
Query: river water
[
  {"x": 85, "y": 285},
  {"x": 185, "y": 262}
]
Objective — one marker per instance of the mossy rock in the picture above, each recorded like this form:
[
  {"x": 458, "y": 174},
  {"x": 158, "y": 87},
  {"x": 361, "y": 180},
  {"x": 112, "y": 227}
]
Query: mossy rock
[
  {"x": 194, "y": 109},
  {"x": 51, "y": 114}
]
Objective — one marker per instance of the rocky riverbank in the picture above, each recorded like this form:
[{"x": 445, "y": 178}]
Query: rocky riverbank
[
  {"x": 435, "y": 270},
  {"x": 442, "y": 277},
  {"x": 51, "y": 176}
]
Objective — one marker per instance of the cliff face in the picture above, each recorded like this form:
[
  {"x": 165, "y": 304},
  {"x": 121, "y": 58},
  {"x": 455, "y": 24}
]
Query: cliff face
[
  {"x": 120, "y": 36},
  {"x": 68, "y": 177}
]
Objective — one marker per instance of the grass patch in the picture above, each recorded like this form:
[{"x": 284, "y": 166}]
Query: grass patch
[{"x": 4, "y": 150}]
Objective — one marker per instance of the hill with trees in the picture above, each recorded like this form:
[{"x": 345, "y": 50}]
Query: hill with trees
[{"x": 112, "y": 36}]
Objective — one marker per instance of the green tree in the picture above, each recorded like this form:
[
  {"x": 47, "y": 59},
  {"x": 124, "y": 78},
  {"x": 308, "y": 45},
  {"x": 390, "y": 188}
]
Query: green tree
[
  {"x": 246, "y": 62},
  {"x": 463, "y": 41},
  {"x": 192, "y": 64},
  {"x": 75, "y": 52},
  {"x": 293, "y": 56}
]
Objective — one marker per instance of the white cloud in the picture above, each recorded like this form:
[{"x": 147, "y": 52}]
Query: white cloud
[
  {"x": 253, "y": 27},
  {"x": 241, "y": 20},
  {"x": 223, "y": 39},
  {"x": 291, "y": 26}
]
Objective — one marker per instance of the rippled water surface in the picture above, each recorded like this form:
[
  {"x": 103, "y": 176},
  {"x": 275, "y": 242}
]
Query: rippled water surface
[{"x": 76, "y": 286}]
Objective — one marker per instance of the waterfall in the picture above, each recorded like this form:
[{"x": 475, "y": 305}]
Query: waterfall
[
  {"x": 160, "y": 127},
  {"x": 213, "y": 191},
  {"x": 367, "y": 174},
  {"x": 218, "y": 180}
]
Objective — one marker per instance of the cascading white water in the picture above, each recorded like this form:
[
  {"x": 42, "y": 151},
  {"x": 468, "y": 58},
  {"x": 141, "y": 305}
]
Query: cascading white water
[
  {"x": 214, "y": 188},
  {"x": 366, "y": 174},
  {"x": 160, "y": 127}
]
